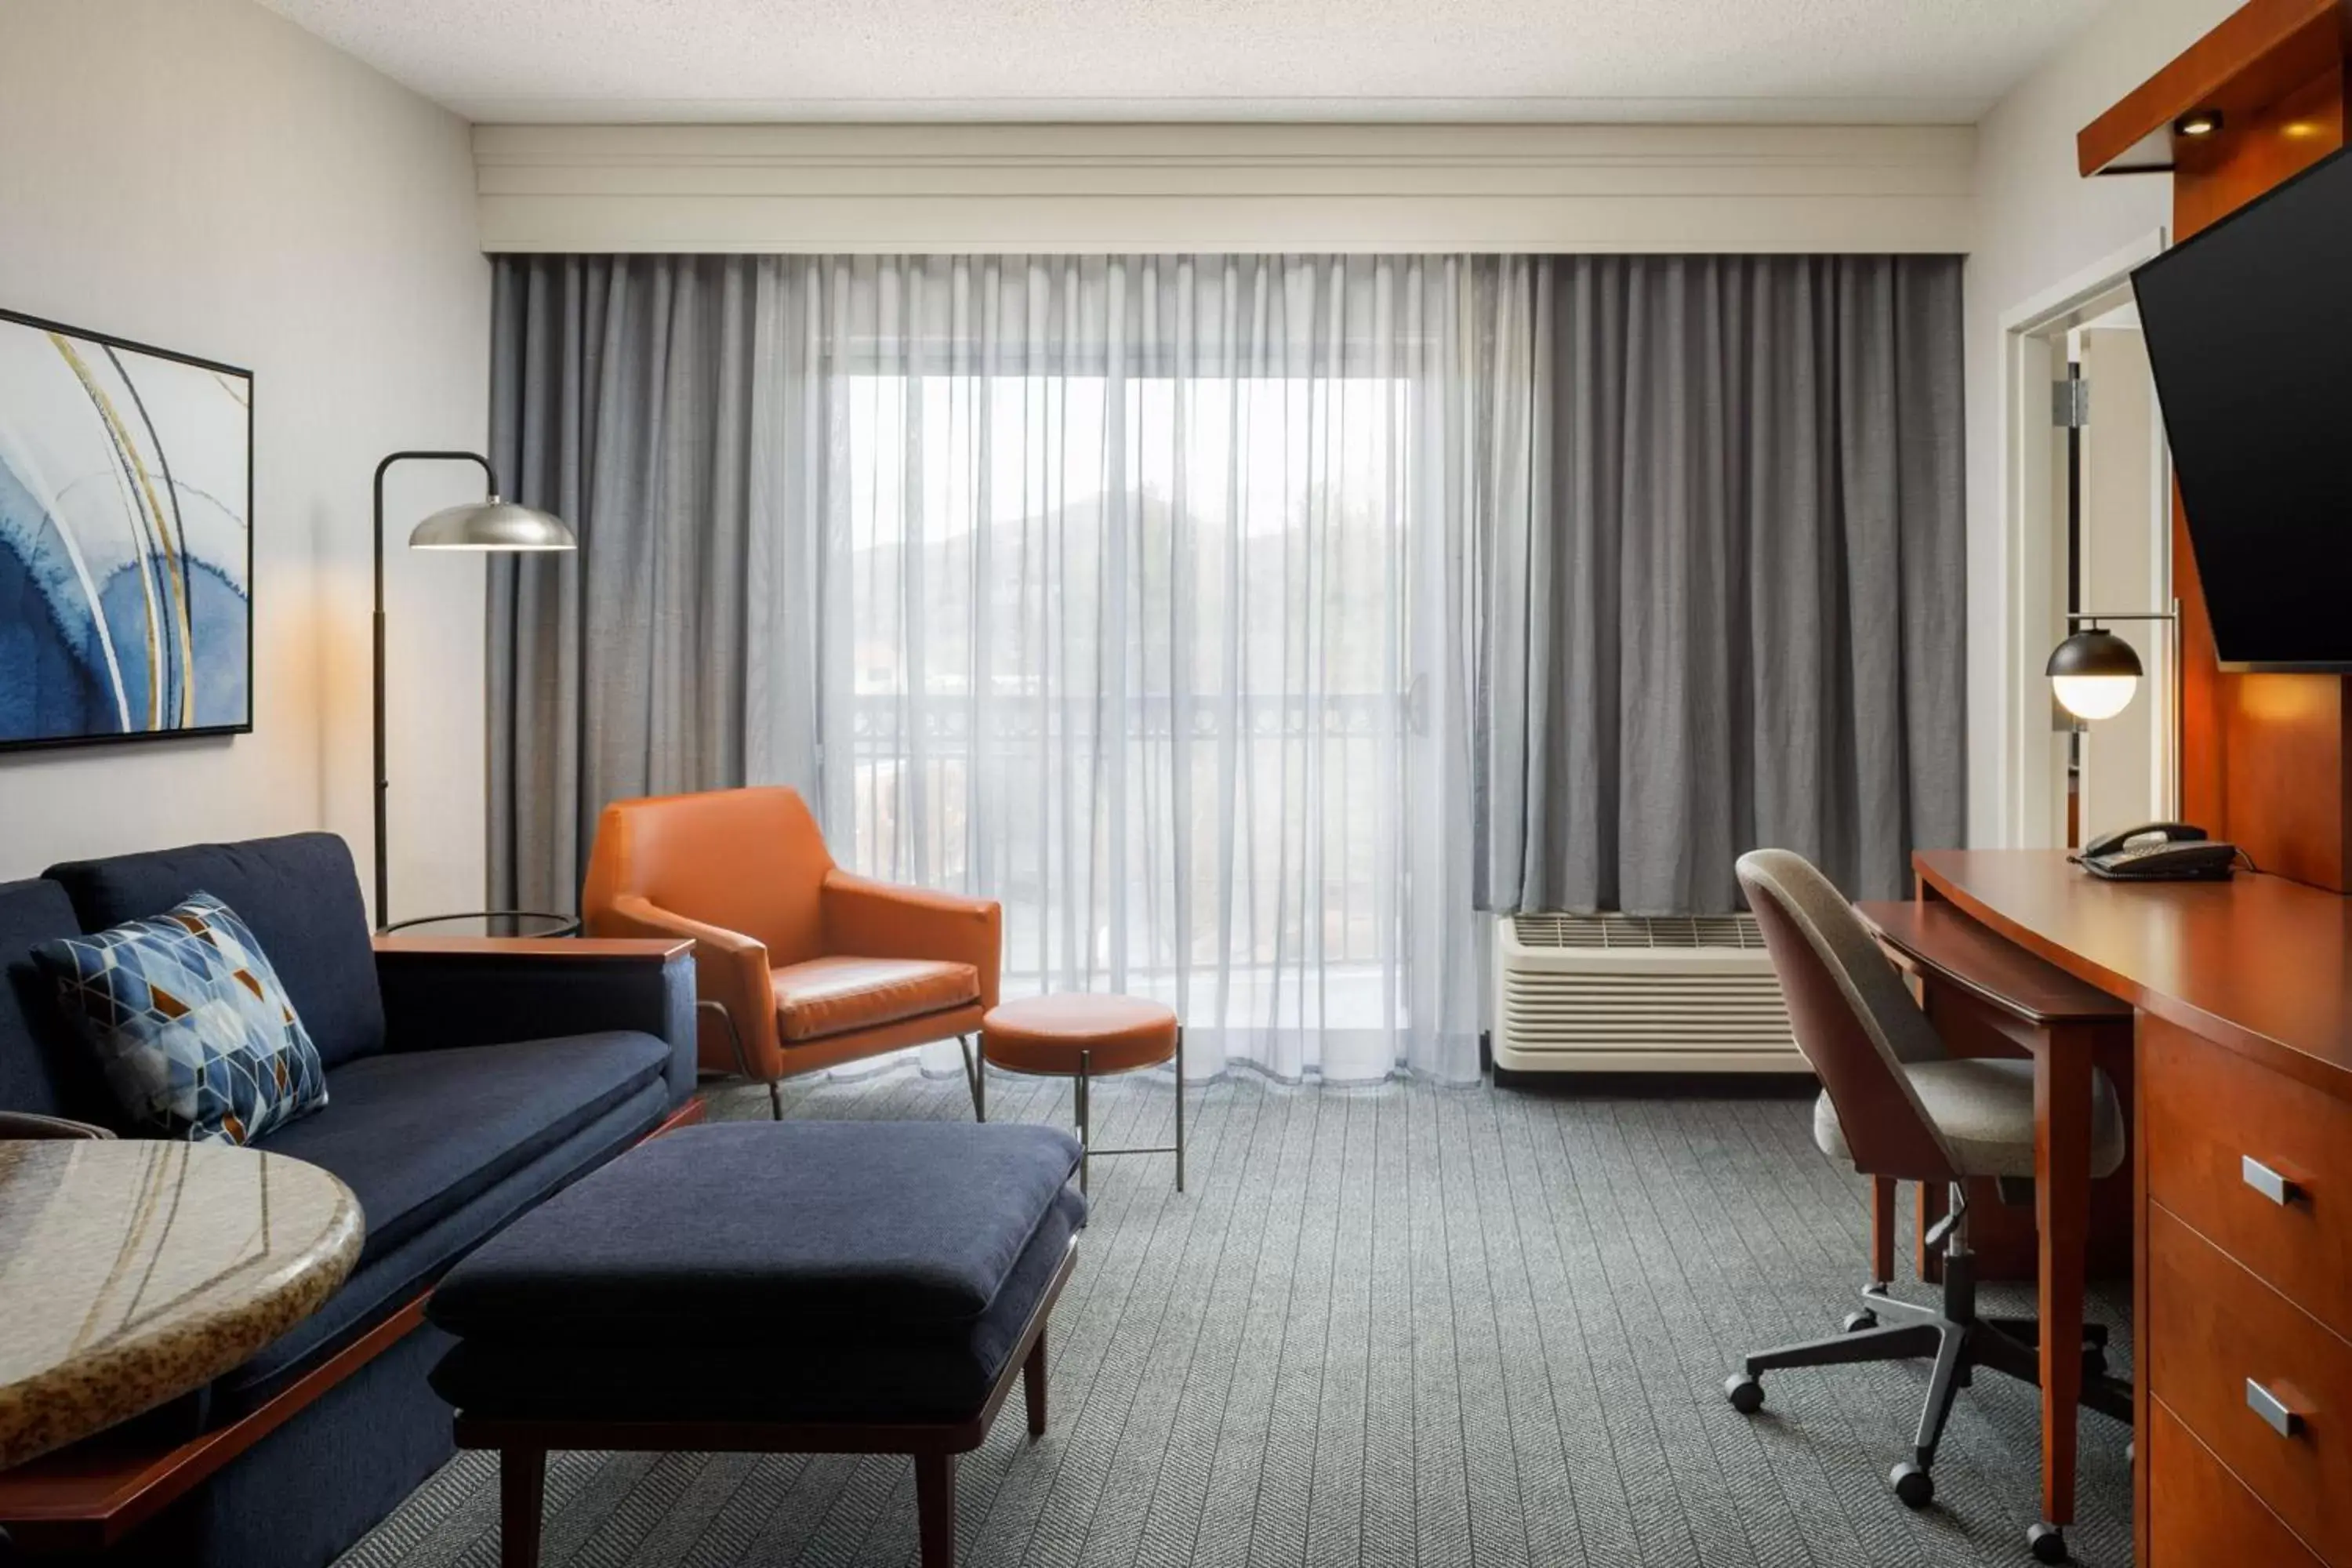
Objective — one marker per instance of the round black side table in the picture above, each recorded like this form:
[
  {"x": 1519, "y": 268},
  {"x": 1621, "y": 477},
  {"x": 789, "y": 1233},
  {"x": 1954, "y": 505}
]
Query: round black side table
[{"x": 488, "y": 922}]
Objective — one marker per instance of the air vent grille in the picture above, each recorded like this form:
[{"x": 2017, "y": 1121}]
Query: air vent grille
[
  {"x": 1649, "y": 933},
  {"x": 1683, "y": 1012},
  {"x": 1632, "y": 993}
]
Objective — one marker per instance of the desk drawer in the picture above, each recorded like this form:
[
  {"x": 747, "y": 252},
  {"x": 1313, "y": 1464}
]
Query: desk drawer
[
  {"x": 2205, "y": 1112},
  {"x": 2218, "y": 1335},
  {"x": 2203, "y": 1514}
]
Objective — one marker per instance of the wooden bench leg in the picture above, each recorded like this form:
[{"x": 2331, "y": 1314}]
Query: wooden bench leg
[
  {"x": 935, "y": 1508},
  {"x": 522, "y": 1499},
  {"x": 1033, "y": 1385}
]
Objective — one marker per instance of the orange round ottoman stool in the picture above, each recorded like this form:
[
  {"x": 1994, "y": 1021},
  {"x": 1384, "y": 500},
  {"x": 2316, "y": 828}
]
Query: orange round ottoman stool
[{"x": 1080, "y": 1034}]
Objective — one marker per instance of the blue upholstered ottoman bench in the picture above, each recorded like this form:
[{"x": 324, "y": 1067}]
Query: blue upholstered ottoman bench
[{"x": 803, "y": 1287}]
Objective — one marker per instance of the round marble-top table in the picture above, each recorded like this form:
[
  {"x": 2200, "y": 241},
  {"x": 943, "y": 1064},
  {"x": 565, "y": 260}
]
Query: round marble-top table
[{"x": 132, "y": 1271}]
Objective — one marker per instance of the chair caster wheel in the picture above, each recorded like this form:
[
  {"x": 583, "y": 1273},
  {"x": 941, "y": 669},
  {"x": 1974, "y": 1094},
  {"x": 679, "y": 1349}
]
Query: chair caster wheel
[
  {"x": 2048, "y": 1543},
  {"x": 1747, "y": 1394},
  {"x": 1856, "y": 1323},
  {"x": 1913, "y": 1487}
]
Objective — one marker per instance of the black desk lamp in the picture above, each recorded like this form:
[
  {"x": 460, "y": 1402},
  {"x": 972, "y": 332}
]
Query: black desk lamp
[
  {"x": 2095, "y": 673},
  {"x": 489, "y": 525}
]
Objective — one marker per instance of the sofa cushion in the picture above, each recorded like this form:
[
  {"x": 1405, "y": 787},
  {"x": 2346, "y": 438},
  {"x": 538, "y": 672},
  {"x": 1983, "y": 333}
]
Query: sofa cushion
[
  {"x": 43, "y": 1066},
  {"x": 190, "y": 1023},
  {"x": 394, "y": 1276},
  {"x": 755, "y": 1231},
  {"x": 942, "y": 1372},
  {"x": 300, "y": 894},
  {"x": 418, "y": 1134},
  {"x": 835, "y": 995}
]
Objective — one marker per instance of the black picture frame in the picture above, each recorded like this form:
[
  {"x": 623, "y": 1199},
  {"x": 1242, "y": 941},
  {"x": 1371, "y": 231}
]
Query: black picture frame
[{"x": 111, "y": 342}]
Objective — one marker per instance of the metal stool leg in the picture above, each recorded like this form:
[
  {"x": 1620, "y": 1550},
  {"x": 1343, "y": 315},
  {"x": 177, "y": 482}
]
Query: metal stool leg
[
  {"x": 1180, "y": 1107},
  {"x": 1086, "y": 1140}
]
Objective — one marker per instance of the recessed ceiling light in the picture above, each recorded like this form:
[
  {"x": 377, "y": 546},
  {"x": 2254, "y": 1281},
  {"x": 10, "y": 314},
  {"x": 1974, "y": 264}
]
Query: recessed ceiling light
[{"x": 2198, "y": 122}]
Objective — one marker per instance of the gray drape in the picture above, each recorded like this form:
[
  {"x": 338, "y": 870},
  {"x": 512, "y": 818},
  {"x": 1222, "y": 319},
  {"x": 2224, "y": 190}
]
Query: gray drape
[
  {"x": 1716, "y": 560},
  {"x": 1733, "y": 616},
  {"x": 621, "y": 399}
]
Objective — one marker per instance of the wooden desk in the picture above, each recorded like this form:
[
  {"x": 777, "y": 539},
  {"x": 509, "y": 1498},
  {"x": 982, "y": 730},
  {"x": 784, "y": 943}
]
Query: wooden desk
[
  {"x": 1991, "y": 997},
  {"x": 2257, "y": 964},
  {"x": 2241, "y": 1185},
  {"x": 1988, "y": 997},
  {"x": 1961, "y": 951}
]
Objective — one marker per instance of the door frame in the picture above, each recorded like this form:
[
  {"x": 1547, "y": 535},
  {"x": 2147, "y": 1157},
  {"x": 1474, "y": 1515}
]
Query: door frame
[{"x": 2027, "y": 813}]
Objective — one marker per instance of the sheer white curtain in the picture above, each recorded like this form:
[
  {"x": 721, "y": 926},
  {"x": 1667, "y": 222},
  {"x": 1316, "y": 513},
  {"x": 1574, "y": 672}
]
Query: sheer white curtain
[{"x": 1133, "y": 592}]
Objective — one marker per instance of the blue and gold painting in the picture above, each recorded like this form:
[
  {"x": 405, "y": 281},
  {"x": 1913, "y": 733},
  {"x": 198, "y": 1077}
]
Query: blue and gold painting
[{"x": 126, "y": 540}]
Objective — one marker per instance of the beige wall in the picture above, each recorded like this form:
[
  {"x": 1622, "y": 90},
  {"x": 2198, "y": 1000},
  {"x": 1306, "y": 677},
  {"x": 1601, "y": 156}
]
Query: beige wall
[
  {"x": 203, "y": 177},
  {"x": 2038, "y": 225}
]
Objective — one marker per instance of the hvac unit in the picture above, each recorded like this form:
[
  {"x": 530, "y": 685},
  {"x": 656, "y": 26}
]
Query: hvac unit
[{"x": 1637, "y": 993}]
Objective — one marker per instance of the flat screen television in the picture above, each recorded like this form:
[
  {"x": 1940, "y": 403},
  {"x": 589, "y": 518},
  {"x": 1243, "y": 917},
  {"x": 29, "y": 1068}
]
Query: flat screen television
[{"x": 2249, "y": 328}]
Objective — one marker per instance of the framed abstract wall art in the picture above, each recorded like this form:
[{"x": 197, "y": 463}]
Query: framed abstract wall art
[{"x": 126, "y": 540}]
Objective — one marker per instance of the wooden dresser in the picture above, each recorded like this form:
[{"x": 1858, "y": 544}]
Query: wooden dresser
[
  {"x": 2243, "y": 1040},
  {"x": 2242, "y": 1187}
]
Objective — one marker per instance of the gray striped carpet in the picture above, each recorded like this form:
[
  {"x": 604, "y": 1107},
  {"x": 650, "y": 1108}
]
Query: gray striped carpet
[{"x": 1394, "y": 1325}]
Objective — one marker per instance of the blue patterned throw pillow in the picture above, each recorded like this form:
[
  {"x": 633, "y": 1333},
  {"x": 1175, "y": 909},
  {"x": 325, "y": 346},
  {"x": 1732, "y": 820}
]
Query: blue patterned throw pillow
[{"x": 194, "y": 1030}]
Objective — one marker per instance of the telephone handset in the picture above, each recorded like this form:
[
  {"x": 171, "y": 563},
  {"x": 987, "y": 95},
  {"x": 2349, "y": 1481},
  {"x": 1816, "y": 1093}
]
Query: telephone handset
[{"x": 2159, "y": 852}]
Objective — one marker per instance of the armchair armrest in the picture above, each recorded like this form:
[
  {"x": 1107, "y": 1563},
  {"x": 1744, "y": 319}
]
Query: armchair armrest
[
  {"x": 440, "y": 991},
  {"x": 730, "y": 968},
  {"x": 879, "y": 919},
  {"x": 32, "y": 1124}
]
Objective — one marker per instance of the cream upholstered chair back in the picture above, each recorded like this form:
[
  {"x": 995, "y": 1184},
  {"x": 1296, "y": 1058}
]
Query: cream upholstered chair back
[{"x": 1853, "y": 1018}]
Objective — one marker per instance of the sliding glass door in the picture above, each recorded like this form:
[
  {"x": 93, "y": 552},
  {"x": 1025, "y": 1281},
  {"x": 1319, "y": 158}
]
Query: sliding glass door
[{"x": 1138, "y": 592}]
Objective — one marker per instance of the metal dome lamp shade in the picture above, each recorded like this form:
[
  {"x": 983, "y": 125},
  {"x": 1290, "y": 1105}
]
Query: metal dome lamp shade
[
  {"x": 492, "y": 525},
  {"x": 2095, "y": 673},
  {"x": 486, "y": 526}
]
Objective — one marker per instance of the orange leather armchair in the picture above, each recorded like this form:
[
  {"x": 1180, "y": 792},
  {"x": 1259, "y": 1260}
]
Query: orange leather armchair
[{"x": 813, "y": 966}]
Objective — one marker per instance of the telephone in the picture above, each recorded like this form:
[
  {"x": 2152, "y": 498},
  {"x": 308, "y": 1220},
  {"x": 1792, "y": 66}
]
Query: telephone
[{"x": 2159, "y": 852}]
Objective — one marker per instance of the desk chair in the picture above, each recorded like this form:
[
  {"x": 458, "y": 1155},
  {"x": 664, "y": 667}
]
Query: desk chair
[{"x": 1897, "y": 1104}]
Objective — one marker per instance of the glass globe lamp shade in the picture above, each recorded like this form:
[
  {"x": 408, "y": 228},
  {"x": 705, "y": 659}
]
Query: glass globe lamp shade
[{"x": 2095, "y": 674}]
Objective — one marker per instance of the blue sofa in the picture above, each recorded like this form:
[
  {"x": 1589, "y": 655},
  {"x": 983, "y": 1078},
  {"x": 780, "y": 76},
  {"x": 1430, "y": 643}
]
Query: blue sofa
[{"x": 464, "y": 1088}]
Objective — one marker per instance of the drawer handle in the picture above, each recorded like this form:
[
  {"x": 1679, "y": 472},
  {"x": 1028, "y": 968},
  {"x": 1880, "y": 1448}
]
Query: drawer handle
[
  {"x": 2268, "y": 1182},
  {"x": 2273, "y": 1410}
]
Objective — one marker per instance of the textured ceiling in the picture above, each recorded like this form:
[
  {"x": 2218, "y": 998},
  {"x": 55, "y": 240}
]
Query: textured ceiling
[{"x": 1823, "y": 60}]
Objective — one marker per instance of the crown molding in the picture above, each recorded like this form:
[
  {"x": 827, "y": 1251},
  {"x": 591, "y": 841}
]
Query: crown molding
[{"x": 1088, "y": 187}]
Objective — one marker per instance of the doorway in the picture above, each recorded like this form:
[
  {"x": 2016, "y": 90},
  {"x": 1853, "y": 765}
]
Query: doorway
[
  {"x": 2118, "y": 770},
  {"x": 2089, "y": 525}
]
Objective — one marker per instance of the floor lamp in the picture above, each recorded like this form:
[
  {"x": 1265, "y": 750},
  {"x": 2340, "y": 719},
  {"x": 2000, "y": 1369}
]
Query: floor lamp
[{"x": 489, "y": 526}]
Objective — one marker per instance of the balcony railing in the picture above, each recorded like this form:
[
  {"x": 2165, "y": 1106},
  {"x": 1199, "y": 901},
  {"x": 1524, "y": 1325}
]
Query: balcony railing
[{"x": 1145, "y": 833}]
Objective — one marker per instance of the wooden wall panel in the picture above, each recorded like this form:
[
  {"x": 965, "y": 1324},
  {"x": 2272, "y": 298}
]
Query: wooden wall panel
[{"x": 2266, "y": 759}]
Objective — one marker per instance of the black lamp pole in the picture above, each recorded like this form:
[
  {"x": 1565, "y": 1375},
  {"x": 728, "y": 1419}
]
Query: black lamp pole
[{"x": 383, "y": 784}]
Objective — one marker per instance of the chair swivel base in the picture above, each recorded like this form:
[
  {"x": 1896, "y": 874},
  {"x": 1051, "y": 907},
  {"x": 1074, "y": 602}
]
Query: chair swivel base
[{"x": 1957, "y": 1342}]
